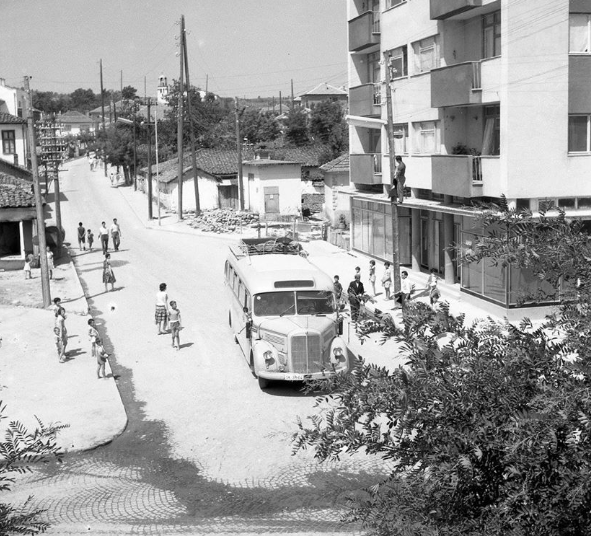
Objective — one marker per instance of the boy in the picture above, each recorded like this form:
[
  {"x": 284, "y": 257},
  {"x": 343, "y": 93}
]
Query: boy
[
  {"x": 27, "y": 267},
  {"x": 90, "y": 237},
  {"x": 338, "y": 291},
  {"x": 174, "y": 322},
  {"x": 101, "y": 358}
]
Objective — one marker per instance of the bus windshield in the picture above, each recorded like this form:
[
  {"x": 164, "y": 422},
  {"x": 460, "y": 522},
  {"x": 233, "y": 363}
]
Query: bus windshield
[{"x": 284, "y": 303}]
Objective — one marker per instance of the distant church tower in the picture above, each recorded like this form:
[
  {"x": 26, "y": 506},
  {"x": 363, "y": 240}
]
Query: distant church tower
[{"x": 162, "y": 93}]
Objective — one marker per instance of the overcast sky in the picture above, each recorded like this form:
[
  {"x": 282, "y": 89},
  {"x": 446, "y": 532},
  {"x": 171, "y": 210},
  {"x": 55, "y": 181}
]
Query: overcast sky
[{"x": 247, "y": 47}]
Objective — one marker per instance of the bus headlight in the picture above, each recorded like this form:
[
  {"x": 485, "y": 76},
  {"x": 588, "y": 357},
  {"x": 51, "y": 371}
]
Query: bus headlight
[
  {"x": 338, "y": 356},
  {"x": 269, "y": 359}
]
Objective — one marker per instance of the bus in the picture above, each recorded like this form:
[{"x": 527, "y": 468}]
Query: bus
[{"x": 283, "y": 312}]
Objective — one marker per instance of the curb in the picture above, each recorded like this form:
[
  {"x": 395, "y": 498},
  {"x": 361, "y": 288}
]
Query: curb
[{"x": 73, "y": 266}]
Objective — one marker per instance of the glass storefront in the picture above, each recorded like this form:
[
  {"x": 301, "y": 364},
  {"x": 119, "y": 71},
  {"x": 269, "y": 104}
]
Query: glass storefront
[{"x": 372, "y": 229}]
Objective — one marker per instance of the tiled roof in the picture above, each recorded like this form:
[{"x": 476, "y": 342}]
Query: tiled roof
[
  {"x": 340, "y": 163},
  {"x": 9, "y": 167},
  {"x": 8, "y": 118},
  {"x": 74, "y": 117},
  {"x": 15, "y": 193},
  {"x": 325, "y": 89}
]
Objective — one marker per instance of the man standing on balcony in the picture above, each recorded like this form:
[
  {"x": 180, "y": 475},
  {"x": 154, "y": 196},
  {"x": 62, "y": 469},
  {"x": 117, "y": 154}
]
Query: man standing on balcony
[{"x": 400, "y": 178}]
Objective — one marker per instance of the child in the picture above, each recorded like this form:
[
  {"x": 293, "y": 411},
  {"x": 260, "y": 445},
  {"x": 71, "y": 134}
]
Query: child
[
  {"x": 338, "y": 291},
  {"x": 90, "y": 239},
  {"x": 387, "y": 279},
  {"x": 434, "y": 293},
  {"x": 58, "y": 343},
  {"x": 50, "y": 265},
  {"x": 174, "y": 322},
  {"x": 101, "y": 358},
  {"x": 93, "y": 335},
  {"x": 372, "y": 275},
  {"x": 27, "y": 267}
]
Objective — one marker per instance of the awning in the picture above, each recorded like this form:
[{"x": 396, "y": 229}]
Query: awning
[{"x": 367, "y": 122}]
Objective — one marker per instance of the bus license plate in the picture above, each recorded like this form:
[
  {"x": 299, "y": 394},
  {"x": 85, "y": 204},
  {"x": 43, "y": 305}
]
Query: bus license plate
[{"x": 294, "y": 377}]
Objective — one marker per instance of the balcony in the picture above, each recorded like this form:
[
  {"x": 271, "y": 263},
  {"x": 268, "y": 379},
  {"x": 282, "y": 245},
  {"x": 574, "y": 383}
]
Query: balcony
[
  {"x": 462, "y": 175},
  {"x": 365, "y": 100},
  {"x": 364, "y": 31},
  {"x": 366, "y": 168},
  {"x": 444, "y": 9}
]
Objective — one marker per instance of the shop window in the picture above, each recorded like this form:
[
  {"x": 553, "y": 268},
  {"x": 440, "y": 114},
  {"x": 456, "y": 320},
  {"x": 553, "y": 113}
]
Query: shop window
[
  {"x": 584, "y": 202},
  {"x": 566, "y": 203},
  {"x": 522, "y": 204}
]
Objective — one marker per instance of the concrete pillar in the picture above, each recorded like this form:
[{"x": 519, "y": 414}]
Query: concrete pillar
[
  {"x": 415, "y": 217},
  {"x": 21, "y": 231},
  {"x": 448, "y": 238}
]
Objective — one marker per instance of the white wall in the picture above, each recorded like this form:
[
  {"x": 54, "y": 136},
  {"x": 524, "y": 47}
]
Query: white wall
[
  {"x": 208, "y": 193},
  {"x": 287, "y": 177},
  {"x": 20, "y": 143},
  {"x": 8, "y": 94}
]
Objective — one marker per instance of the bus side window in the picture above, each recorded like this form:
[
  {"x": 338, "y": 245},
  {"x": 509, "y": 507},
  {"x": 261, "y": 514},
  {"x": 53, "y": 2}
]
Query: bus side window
[
  {"x": 227, "y": 271},
  {"x": 247, "y": 300},
  {"x": 236, "y": 284}
]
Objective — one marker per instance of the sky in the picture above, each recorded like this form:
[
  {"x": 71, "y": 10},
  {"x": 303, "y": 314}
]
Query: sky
[{"x": 246, "y": 48}]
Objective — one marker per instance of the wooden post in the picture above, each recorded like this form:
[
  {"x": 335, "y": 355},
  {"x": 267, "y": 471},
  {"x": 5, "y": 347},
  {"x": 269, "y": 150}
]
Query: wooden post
[
  {"x": 149, "y": 186},
  {"x": 180, "y": 121},
  {"x": 38, "y": 199},
  {"x": 239, "y": 151}
]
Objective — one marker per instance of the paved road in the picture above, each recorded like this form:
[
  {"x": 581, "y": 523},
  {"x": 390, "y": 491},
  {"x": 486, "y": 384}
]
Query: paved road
[{"x": 205, "y": 451}]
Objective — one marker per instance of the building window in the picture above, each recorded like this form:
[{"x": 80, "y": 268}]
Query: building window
[
  {"x": 491, "y": 35},
  {"x": 578, "y": 133},
  {"x": 394, "y": 3},
  {"x": 400, "y": 139},
  {"x": 375, "y": 8},
  {"x": 425, "y": 55},
  {"x": 491, "y": 140},
  {"x": 426, "y": 137},
  {"x": 8, "y": 142},
  {"x": 580, "y": 34},
  {"x": 373, "y": 64},
  {"x": 398, "y": 63}
]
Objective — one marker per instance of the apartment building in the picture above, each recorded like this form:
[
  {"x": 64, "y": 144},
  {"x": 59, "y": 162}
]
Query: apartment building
[{"x": 490, "y": 98}]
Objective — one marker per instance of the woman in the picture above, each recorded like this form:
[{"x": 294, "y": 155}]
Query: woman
[
  {"x": 161, "y": 308},
  {"x": 61, "y": 332},
  {"x": 108, "y": 275},
  {"x": 387, "y": 279}
]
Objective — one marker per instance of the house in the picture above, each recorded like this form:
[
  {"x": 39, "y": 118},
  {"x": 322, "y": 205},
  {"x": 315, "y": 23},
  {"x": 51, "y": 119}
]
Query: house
[
  {"x": 484, "y": 106},
  {"x": 18, "y": 219},
  {"x": 13, "y": 128},
  {"x": 336, "y": 189},
  {"x": 321, "y": 93},
  {"x": 75, "y": 123}
]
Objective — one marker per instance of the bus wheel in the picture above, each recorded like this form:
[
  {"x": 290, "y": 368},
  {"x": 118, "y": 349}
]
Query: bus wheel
[
  {"x": 229, "y": 318},
  {"x": 263, "y": 383}
]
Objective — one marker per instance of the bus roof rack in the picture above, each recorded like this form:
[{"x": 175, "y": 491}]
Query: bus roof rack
[{"x": 266, "y": 246}]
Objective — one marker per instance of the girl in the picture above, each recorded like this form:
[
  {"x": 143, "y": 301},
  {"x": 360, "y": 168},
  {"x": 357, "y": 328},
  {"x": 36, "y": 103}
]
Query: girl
[
  {"x": 387, "y": 279},
  {"x": 27, "y": 267},
  {"x": 161, "y": 308},
  {"x": 101, "y": 358},
  {"x": 108, "y": 275},
  {"x": 90, "y": 239},
  {"x": 50, "y": 262},
  {"x": 174, "y": 321},
  {"x": 372, "y": 275},
  {"x": 61, "y": 332},
  {"x": 434, "y": 293}
]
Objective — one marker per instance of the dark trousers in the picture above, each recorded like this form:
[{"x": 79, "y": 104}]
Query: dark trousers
[
  {"x": 116, "y": 241},
  {"x": 105, "y": 242}
]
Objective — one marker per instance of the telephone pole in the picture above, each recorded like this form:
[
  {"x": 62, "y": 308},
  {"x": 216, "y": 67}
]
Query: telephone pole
[
  {"x": 149, "y": 192},
  {"x": 191, "y": 129},
  {"x": 239, "y": 151},
  {"x": 38, "y": 200},
  {"x": 103, "y": 112},
  {"x": 392, "y": 159},
  {"x": 180, "y": 121}
]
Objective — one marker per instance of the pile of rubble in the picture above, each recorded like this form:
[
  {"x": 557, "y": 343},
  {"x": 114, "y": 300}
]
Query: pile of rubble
[{"x": 224, "y": 220}]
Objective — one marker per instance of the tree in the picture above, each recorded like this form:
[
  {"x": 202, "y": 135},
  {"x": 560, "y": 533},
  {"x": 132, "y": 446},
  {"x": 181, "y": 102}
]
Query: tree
[
  {"x": 258, "y": 126},
  {"x": 128, "y": 93},
  {"x": 328, "y": 125},
  {"x": 489, "y": 424},
  {"x": 296, "y": 127},
  {"x": 83, "y": 100},
  {"x": 19, "y": 452}
]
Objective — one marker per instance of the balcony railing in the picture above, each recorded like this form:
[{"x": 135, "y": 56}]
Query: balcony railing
[
  {"x": 377, "y": 94},
  {"x": 365, "y": 100},
  {"x": 461, "y": 175},
  {"x": 364, "y": 31},
  {"x": 444, "y": 9},
  {"x": 366, "y": 168}
]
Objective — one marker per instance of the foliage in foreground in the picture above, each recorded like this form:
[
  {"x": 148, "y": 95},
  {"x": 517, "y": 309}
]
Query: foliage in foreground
[
  {"x": 20, "y": 451},
  {"x": 488, "y": 426}
]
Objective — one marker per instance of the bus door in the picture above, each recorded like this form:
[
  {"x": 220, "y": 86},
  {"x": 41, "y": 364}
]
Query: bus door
[{"x": 242, "y": 327}]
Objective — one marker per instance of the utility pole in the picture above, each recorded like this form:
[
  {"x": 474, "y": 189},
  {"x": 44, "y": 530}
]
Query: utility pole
[
  {"x": 392, "y": 159},
  {"x": 206, "y": 78},
  {"x": 149, "y": 162},
  {"x": 280, "y": 104},
  {"x": 121, "y": 84},
  {"x": 38, "y": 200},
  {"x": 103, "y": 111},
  {"x": 191, "y": 129},
  {"x": 180, "y": 121},
  {"x": 239, "y": 151},
  {"x": 292, "y": 93}
]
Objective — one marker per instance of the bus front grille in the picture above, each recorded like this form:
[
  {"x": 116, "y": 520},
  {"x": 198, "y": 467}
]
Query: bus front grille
[{"x": 306, "y": 353}]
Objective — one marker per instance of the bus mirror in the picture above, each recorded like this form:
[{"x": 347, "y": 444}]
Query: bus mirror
[
  {"x": 245, "y": 310},
  {"x": 340, "y": 325}
]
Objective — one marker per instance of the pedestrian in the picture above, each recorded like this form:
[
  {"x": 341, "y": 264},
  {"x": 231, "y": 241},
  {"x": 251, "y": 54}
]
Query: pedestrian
[
  {"x": 174, "y": 321},
  {"x": 112, "y": 177},
  {"x": 81, "y": 237},
  {"x": 27, "y": 267},
  {"x": 400, "y": 178},
  {"x": 93, "y": 335},
  {"x": 372, "y": 276},
  {"x": 161, "y": 308},
  {"x": 358, "y": 271},
  {"x": 90, "y": 238},
  {"x": 338, "y": 291},
  {"x": 50, "y": 262},
  {"x": 57, "y": 303},
  {"x": 116, "y": 234},
  {"x": 108, "y": 274},
  {"x": 387, "y": 279},
  {"x": 434, "y": 293},
  {"x": 62, "y": 332},
  {"x": 406, "y": 289},
  {"x": 101, "y": 358},
  {"x": 355, "y": 293},
  {"x": 103, "y": 233}
]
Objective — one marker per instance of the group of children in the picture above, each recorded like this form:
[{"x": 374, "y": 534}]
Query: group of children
[{"x": 29, "y": 262}]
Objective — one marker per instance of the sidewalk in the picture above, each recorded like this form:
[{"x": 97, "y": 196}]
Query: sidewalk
[{"x": 34, "y": 383}]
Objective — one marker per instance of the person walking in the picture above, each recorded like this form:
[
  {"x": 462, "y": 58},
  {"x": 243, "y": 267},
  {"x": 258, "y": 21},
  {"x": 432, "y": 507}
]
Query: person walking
[
  {"x": 81, "y": 237},
  {"x": 161, "y": 308},
  {"x": 50, "y": 265},
  {"x": 90, "y": 238},
  {"x": 174, "y": 321},
  {"x": 108, "y": 274},
  {"x": 116, "y": 234},
  {"x": 355, "y": 293},
  {"x": 372, "y": 275},
  {"x": 387, "y": 279},
  {"x": 61, "y": 333},
  {"x": 112, "y": 177},
  {"x": 103, "y": 233}
]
